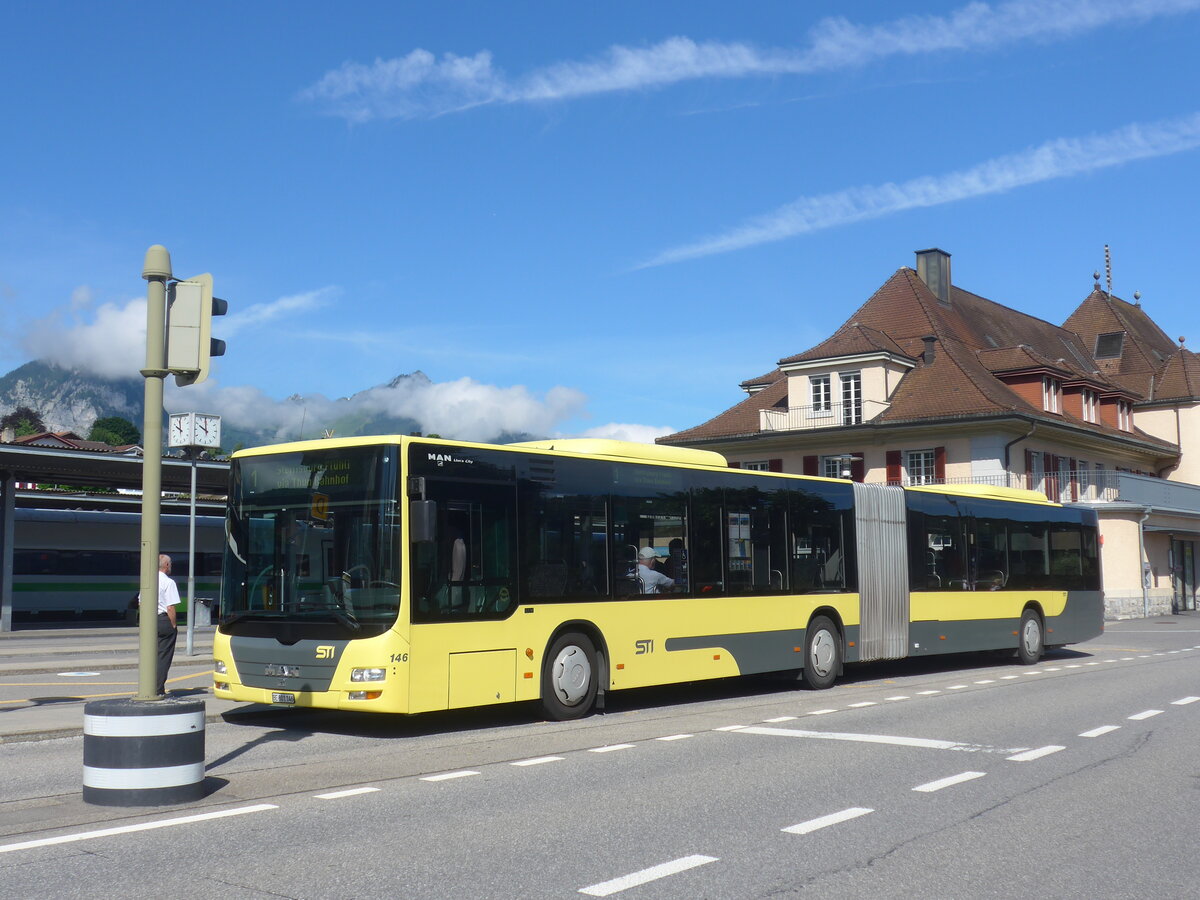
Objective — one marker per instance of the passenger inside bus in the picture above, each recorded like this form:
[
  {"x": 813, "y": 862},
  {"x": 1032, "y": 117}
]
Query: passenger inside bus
[{"x": 652, "y": 580}]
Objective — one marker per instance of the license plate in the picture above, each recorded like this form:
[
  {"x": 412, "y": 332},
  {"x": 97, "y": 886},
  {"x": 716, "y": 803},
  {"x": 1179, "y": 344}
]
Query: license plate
[{"x": 277, "y": 697}]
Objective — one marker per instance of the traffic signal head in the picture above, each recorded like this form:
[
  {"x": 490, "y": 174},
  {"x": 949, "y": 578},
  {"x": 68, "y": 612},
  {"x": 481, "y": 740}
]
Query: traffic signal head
[{"x": 190, "y": 344}]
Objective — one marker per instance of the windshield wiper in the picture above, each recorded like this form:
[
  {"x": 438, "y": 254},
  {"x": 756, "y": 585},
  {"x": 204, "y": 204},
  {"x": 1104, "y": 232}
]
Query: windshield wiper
[{"x": 347, "y": 619}]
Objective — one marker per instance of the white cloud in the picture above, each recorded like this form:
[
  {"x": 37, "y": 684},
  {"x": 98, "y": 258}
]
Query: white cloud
[
  {"x": 1060, "y": 158},
  {"x": 262, "y": 313},
  {"x": 112, "y": 344},
  {"x": 620, "y": 431},
  {"x": 420, "y": 85}
]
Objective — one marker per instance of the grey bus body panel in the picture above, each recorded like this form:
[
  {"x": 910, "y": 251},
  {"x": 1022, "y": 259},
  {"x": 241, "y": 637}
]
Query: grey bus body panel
[
  {"x": 882, "y": 537},
  {"x": 258, "y": 661}
]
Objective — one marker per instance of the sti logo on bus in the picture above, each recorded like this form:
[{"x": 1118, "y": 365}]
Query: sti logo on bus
[
  {"x": 643, "y": 646},
  {"x": 325, "y": 652}
]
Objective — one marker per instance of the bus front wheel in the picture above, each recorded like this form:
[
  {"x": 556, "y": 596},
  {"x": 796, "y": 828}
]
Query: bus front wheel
[
  {"x": 569, "y": 677},
  {"x": 822, "y": 654},
  {"x": 1030, "y": 638}
]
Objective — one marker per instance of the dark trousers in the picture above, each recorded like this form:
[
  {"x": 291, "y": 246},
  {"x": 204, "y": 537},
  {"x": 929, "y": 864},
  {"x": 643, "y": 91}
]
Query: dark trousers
[{"x": 166, "y": 649}]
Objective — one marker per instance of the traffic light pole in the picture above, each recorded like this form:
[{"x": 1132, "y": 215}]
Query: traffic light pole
[{"x": 156, "y": 271}]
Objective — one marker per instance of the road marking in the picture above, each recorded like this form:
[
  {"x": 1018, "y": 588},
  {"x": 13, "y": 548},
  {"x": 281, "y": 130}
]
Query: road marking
[
  {"x": 1010, "y": 677},
  {"x": 447, "y": 776},
  {"x": 335, "y": 795},
  {"x": 957, "y": 687},
  {"x": 129, "y": 829},
  {"x": 607, "y": 888},
  {"x": 1054, "y": 669},
  {"x": 825, "y": 821},
  {"x": 1137, "y": 717},
  {"x": 729, "y": 728},
  {"x": 1034, "y": 672},
  {"x": 1103, "y": 729},
  {"x": 611, "y": 748},
  {"x": 79, "y": 675},
  {"x": 1072, "y": 666},
  {"x": 987, "y": 681},
  {"x": 1094, "y": 663},
  {"x": 674, "y": 737},
  {"x": 537, "y": 761},
  {"x": 1030, "y": 755},
  {"x": 1185, "y": 701},
  {"x": 864, "y": 703},
  {"x": 898, "y": 697},
  {"x": 927, "y": 743},
  {"x": 927, "y": 693},
  {"x": 821, "y": 712},
  {"x": 948, "y": 782},
  {"x": 780, "y": 719}
]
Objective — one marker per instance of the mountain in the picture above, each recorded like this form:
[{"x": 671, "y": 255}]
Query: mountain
[{"x": 71, "y": 401}]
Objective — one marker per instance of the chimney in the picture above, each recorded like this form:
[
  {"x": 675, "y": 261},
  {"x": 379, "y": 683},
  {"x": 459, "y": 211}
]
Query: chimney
[
  {"x": 933, "y": 268},
  {"x": 927, "y": 356}
]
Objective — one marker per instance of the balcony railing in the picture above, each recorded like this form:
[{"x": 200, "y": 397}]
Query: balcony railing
[{"x": 830, "y": 415}]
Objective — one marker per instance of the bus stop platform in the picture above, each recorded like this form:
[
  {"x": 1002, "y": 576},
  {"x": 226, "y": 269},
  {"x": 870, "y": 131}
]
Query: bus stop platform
[{"x": 48, "y": 674}]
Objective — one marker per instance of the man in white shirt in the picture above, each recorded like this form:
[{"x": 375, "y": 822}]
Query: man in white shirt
[
  {"x": 168, "y": 597},
  {"x": 652, "y": 580}
]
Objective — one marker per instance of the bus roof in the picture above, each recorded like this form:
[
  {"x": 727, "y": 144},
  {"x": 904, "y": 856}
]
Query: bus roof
[{"x": 995, "y": 492}]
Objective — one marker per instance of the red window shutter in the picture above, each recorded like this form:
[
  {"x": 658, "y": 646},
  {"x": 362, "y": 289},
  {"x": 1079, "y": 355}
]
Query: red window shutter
[
  {"x": 858, "y": 468},
  {"x": 735, "y": 465},
  {"x": 774, "y": 465},
  {"x": 811, "y": 465},
  {"x": 1051, "y": 464},
  {"x": 894, "y": 473},
  {"x": 939, "y": 464}
]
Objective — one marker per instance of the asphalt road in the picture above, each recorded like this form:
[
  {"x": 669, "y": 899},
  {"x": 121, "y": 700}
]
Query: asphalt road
[{"x": 960, "y": 777}]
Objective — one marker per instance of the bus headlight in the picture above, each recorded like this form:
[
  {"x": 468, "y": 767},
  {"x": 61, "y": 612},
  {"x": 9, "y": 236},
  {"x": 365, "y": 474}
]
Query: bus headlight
[
  {"x": 219, "y": 666},
  {"x": 365, "y": 695},
  {"x": 368, "y": 674}
]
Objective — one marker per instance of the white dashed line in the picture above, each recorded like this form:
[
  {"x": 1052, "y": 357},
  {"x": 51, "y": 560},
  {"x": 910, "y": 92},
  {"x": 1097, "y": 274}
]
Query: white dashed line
[
  {"x": 611, "y": 748},
  {"x": 729, "y": 728},
  {"x": 449, "y": 776},
  {"x": 607, "y": 888},
  {"x": 825, "y": 821},
  {"x": 822, "y": 712},
  {"x": 129, "y": 829},
  {"x": 1092, "y": 663},
  {"x": 1137, "y": 717},
  {"x": 927, "y": 743},
  {"x": 1010, "y": 677},
  {"x": 864, "y": 703},
  {"x": 1072, "y": 666},
  {"x": 337, "y": 795},
  {"x": 1185, "y": 701},
  {"x": 1103, "y": 729},
  {"x": 674, "y": 737},
  {"x": 1054, "y": 669},
  {"x": 537, "y": 761},
  {"x": 957, "y": 687},
  {"x": 898, "y": 697},
  {"x": 1030, "y": 755},
  {"x": 948, "y": 782},
  {"x": 927, "y": 693},
  {"x": 780, "y": 719},
  {"x": 1034, "y": 672},
  {"x": 987, "y": 681}
]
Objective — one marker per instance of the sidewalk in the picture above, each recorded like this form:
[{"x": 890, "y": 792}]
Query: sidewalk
[{"x": 41, "y": 705}]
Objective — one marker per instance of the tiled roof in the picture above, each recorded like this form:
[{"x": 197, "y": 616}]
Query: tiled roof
[
  {"x": 1180, "y": 379},
  {"x": 976, "y": 338}
]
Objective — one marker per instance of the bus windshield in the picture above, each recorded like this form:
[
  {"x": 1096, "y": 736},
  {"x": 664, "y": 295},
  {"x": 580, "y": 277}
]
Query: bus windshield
[{"x": 313, "y": 542}]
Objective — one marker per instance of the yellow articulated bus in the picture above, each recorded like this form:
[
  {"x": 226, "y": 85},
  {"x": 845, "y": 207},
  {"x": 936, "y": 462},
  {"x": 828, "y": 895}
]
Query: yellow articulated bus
[{"x": 405, "y": 574}]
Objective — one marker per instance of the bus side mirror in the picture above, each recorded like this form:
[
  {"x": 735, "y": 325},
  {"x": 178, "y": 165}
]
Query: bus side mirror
[{"x": 422, "y": 520}]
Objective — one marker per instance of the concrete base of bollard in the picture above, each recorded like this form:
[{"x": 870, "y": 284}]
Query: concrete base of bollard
[{"x": 143, "y": 752}]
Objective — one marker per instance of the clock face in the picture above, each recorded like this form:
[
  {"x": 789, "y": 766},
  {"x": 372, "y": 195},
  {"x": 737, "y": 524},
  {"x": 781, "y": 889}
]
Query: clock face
[
  {"x": 179, "y": 431},
  {"x": 208, "y": 431}
]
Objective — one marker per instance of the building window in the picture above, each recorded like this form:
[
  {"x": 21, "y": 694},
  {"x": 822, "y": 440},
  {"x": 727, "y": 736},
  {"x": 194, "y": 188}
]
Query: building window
[
  {"x": 1108, "y": 346},
  {"x": 758, "y": 465},
  {"x": 835, "y": 467},
  {"x": 822, "y": 399},
  {"x": 851, "y": 398},
  {"x": 919, "y": 464},
  {"x": 1124, "y": 415},
  {"x": 1091, "y": 402},
  {"x": 1051, "y": 394}
]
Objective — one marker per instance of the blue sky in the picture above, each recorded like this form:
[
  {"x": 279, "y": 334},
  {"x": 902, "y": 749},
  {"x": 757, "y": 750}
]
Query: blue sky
[{"x": 575, "y": 218}]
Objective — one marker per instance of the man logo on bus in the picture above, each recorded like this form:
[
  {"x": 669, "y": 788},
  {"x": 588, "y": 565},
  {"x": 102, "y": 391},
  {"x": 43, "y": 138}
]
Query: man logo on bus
[
  {"x": 643, "y": 646},
  {"x": 325, "y": 652}
]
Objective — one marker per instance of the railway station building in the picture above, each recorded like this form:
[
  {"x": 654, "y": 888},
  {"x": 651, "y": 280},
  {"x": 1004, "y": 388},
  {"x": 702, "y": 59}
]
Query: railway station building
[{"x": 929, "y": 383}]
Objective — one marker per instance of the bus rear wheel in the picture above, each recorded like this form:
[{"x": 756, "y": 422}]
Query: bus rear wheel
[
  {"x": 569, "y": 677},
  {"x": 1030, "y": 638},
  {"x": 822, "y": 654}
]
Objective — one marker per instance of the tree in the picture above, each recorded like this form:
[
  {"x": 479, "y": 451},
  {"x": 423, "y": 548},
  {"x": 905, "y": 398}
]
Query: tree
[
  {"x": 114, "y": 431},
  {"x": 23, "y": 421}
]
